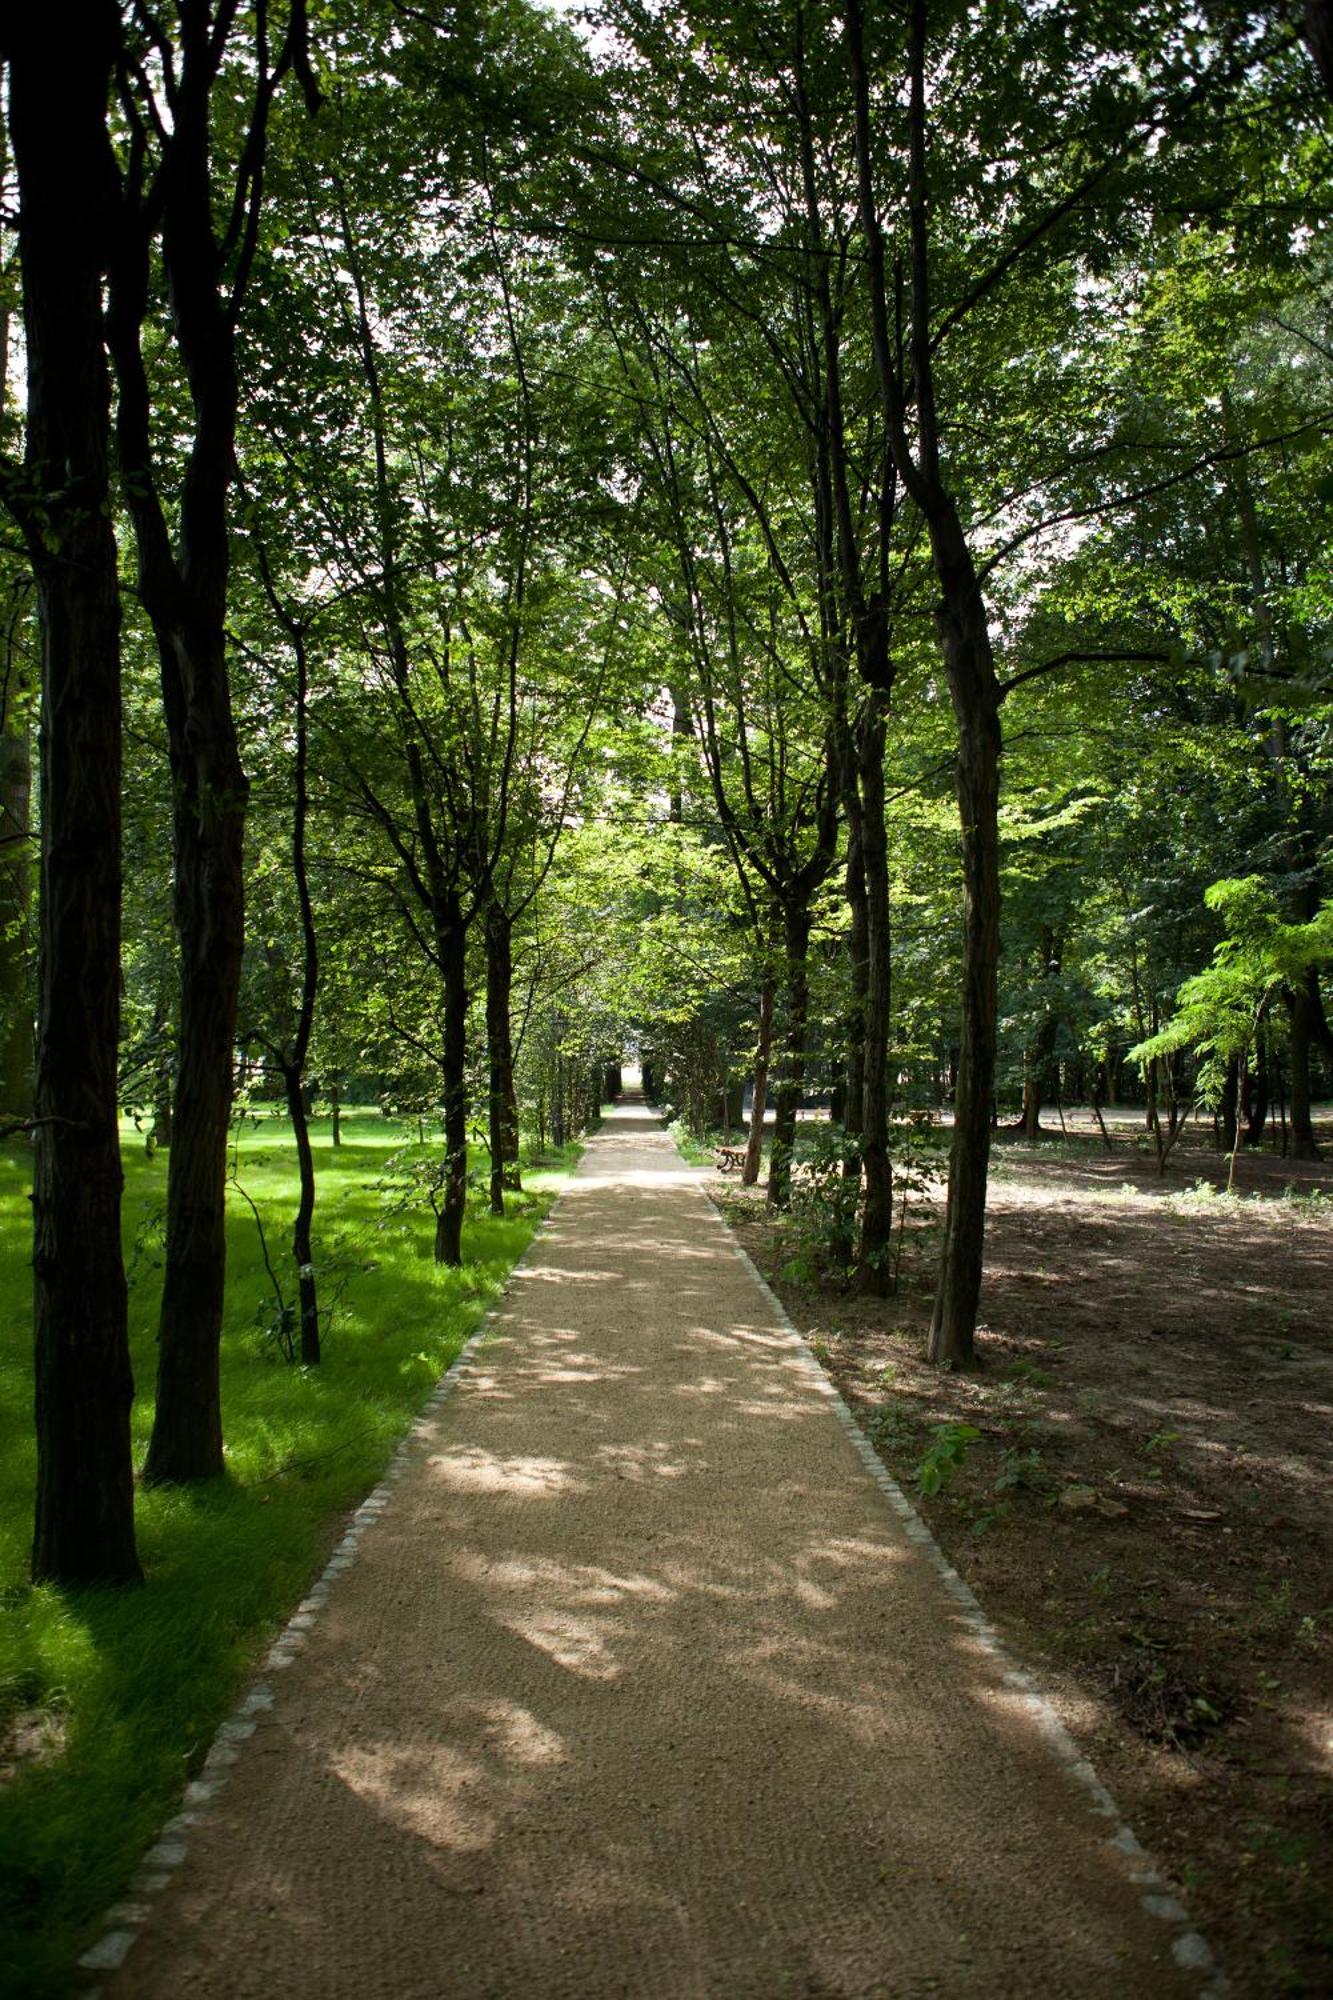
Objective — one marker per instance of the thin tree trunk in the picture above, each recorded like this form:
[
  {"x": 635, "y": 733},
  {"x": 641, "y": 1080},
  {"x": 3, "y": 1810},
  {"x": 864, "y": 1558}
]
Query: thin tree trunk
[
  {"x": 966, "y": 646},
  {"x": 873, "y": 1253},
  {"x": 301, "y": 1231},
  {"x": 452, "y": 945},
  {"x": 1096, "y": 1094},
  {"x": 502, "y": 1102},
  {"x": 913, "y": 440},
  {"x": 1257, "y": 1098},
  {"x": 796, "y": 936},
  {"x": 58, "y": 93},
  {"x": 857, "y": 965},
  {"x": 1230, "y": 1106},
  {"x": 1037, "y": 1075},
  {"x": 294, "y": 1076}
]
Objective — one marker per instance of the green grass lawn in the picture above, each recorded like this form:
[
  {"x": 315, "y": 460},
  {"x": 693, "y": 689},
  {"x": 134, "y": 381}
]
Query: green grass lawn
[{"x": 124, "y": 1688}]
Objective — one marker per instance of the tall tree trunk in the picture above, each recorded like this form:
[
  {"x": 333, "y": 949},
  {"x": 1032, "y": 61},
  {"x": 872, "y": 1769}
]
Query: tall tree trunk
[
  {"x": 1041, "y": 1054},
  {"x": 857, "y": 966},
  {"x": 302, "y": 1252},
  {"x": 796, "y": 936},
  {"x": 872, "y": 1269},
  {"x": 294, "y": 1069},
  {"x": 184, "y": 554},
  {"x": 502, "y": 1102},
  {"x": 184, "y": 591},
  {"x": 452, "y": 945},
  {"x": 754, "y": 1145},
  {"x": 209, "y": 824},
  {"x": 58, "y": 92},
  {"x": 965, "y": 642}
]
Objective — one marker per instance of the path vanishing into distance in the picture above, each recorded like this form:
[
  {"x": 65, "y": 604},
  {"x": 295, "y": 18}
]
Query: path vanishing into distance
[{"x": 640, "y": 1684}]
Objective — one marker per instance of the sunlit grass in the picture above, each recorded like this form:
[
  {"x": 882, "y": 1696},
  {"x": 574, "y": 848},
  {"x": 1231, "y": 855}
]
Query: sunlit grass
[{"x": 136, "y": 1681}]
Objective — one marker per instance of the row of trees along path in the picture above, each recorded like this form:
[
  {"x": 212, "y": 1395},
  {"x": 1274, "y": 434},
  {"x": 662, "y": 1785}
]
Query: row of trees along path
[{"x": 638, "y": 399}]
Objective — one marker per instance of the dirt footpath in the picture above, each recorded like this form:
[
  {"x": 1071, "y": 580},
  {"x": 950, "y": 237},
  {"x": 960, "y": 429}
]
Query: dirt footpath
[{"x": 638, "y": 1686}]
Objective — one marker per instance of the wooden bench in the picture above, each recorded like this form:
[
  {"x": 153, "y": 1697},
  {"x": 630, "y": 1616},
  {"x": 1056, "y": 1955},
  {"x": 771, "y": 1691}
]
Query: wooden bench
[{"x": 730, "y": 1159}]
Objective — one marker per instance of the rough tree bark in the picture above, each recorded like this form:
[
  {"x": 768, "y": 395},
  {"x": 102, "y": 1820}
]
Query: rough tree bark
[{"x": 58, "y": 93}]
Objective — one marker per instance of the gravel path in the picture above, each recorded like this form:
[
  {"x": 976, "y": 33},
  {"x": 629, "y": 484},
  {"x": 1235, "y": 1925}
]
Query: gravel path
[{"x": 638, "y": 1686}]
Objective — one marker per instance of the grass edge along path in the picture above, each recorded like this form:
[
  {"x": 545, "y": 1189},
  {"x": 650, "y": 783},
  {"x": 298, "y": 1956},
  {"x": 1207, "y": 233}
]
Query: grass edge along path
[{"x": 109, "y": 1699}]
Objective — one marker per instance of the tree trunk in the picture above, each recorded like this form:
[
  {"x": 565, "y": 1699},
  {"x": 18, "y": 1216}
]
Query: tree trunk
[
  {"x": 209, "y": 824},
  {"x": 796, "y": 935},
  {"x": 558, "y": 1103},
  {"x": 301, "y": 1244},
  {"x": 300, "y": 1097},
  {"x": 965, "y": 643},
  {"x": 16, "y": 996},
  {"x": 1230, "y": 1105},
  {"x": 1257, "y": 1098},
  {"x": 58, "y": 91},
  {"x": 336, "y": 1114},
  {"x": 857, "y": 968},
  {"x": 873, "y": 1253},
  {"x": 1040, "y": 1056},
  {"x": 1304, "y": 1007},
  {"x": 451, "y": 939},
  {"x": 1036, "y": 1077},
  {"x": 754, "y": 1145},
  {"x": 502, "y": 1103},
  {"x": 183, "y": 586}
]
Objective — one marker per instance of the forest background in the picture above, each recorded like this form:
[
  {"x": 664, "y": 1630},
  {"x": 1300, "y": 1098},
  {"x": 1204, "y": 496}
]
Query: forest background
[{"x": 788, "y": 539}]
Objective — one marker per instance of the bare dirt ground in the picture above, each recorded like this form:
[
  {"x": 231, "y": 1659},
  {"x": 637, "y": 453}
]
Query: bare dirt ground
[{"x": 1146, "y": 1510}]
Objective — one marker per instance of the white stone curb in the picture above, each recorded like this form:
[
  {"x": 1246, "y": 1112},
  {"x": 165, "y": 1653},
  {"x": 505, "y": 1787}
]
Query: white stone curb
[
  {"x": 1189, "y": 1948},
  {"x": 125, "y": 1920}
]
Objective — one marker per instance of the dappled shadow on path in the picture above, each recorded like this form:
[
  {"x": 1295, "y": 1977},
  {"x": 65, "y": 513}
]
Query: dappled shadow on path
[{"x": 637, "y": 1688}]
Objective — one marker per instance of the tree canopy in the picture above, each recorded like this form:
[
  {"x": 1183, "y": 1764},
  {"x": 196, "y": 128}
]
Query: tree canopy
[{"x": 789, "y": 539}]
